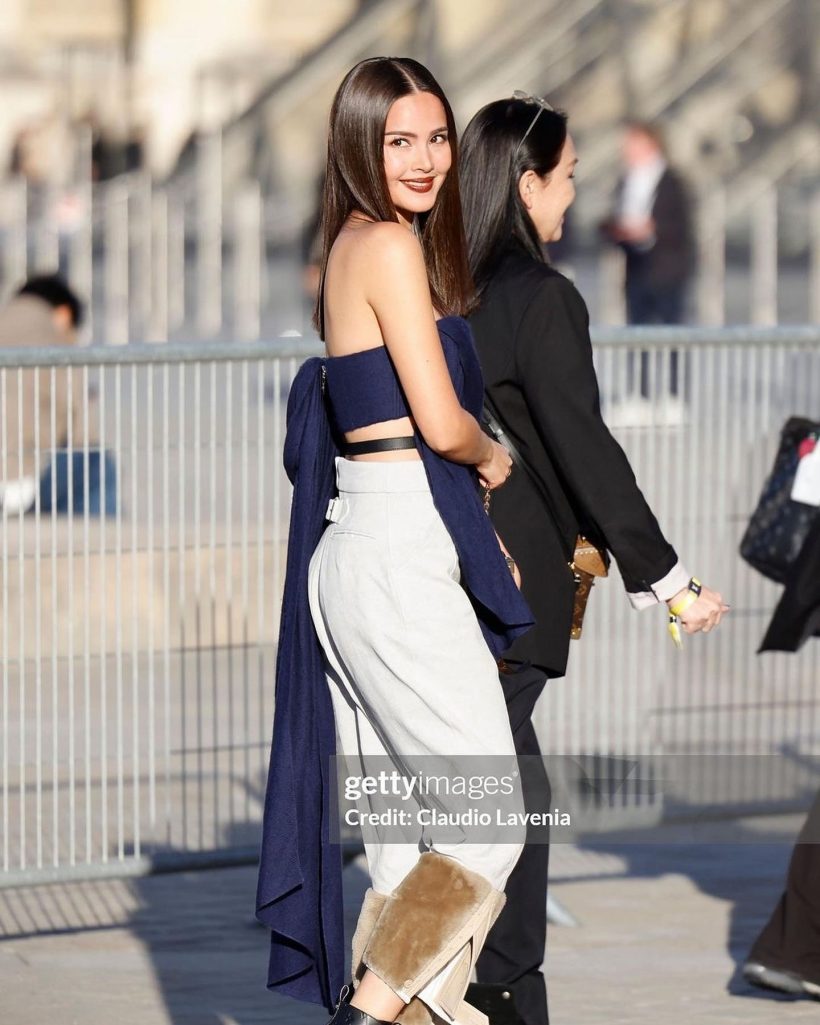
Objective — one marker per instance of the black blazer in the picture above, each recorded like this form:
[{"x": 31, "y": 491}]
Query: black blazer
[
  {"x": 671, "y": 260},
  {"x": 532, "y": 334}
]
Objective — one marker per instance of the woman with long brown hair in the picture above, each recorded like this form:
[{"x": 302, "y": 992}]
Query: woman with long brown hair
[{"x": 411, "y": 595}]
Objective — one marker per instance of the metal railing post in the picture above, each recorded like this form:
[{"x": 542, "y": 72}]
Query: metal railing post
[
  {"x": 248, "y": 261},
  {"x": 116, "y": 267},
  {"x": 814, "y": 258},
  {"x": 763, "y": 307},
  {"x": 711, "y": 293},
  {"x": 209, "y": 233}
]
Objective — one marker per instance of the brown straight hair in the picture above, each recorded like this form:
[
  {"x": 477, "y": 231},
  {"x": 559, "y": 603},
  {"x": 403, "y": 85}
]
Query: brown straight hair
[{"x": 355, "y": 178}]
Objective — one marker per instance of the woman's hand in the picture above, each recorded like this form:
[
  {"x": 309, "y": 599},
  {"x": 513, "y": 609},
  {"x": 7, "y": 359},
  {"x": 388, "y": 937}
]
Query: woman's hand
[
  {"x": 496, "y": 468},
  {"x": 704, "y": 614},
  {"x": 516, "y": 573}
]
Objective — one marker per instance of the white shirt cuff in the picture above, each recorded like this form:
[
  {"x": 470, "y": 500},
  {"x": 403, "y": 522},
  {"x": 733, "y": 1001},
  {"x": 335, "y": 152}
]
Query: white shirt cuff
[{"x": 662, "y": 590}]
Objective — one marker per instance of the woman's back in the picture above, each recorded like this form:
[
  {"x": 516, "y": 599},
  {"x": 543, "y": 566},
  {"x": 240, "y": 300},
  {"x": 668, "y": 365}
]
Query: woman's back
[
  {"x": 351, "y": 324},
  {"x": 368, "y": 262}
]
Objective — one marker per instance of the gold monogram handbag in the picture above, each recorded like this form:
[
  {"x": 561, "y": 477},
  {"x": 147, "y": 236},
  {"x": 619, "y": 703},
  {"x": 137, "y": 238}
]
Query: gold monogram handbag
[{"x": 588, "y": 562}]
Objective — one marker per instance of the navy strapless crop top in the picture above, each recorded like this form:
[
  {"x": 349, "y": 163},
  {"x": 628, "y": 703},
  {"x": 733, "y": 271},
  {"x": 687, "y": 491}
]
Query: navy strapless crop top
[{"x": 363, "y": 388}]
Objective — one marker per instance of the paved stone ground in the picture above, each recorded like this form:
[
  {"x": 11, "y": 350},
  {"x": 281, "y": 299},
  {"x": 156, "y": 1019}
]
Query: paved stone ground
[{"x": 660, "y": 928}]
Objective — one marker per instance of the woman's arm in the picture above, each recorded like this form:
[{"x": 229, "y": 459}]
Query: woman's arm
[
  {"x": 396, "y": 287},
  {"x": 555, "y": 371}
]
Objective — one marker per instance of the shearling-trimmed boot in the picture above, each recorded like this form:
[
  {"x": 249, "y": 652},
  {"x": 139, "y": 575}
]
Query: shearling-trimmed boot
[
  {"x": 372, "y": 906},
  {"x": 429, "y": 934},
  {"x": 415, "y": 1013},
  {"x": 347, "y": 1015}
]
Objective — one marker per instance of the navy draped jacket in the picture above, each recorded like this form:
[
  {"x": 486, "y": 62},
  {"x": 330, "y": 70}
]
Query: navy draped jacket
[{"x": 299, "y": 893}]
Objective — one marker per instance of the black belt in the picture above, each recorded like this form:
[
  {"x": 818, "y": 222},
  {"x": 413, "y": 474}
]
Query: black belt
[{"x": 363, "y": 448}]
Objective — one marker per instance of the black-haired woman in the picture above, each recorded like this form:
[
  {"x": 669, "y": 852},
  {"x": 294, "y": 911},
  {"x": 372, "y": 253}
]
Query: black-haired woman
[
  {"x": 411, "y": 597},
  {"x": 532, "y": 333}
]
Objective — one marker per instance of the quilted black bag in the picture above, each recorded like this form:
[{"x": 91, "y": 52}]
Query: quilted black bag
[{"x": 779, "y": 526}]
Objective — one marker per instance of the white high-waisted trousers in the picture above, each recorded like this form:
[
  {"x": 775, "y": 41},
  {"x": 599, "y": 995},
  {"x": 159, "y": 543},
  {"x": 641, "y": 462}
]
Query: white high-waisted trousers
[{"x": 409, "y": 671}]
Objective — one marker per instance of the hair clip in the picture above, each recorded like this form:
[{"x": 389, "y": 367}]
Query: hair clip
[
  {"x": 519, "y": 94},
  {"x": 542, "y": 105}
]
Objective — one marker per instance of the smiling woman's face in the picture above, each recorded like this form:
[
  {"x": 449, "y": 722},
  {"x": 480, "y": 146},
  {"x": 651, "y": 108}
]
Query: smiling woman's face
[
  {"x": 548, "y": 198},
  {"x": 417, "y": 154}
]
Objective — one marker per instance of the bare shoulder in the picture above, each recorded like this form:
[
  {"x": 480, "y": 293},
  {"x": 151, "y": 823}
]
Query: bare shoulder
[
  {"x": 376, "y": 249},
  {"x": 380, "y": 242},
  {"x": 383, "y": 262},
  {"x": 376, "y": 276}
]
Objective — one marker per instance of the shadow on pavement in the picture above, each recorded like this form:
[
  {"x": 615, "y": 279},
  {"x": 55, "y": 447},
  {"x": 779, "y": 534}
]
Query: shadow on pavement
[{"x": 729, "y": 861}]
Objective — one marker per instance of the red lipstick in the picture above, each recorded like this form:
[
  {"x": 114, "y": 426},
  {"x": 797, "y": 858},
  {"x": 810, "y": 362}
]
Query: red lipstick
[{"x": 420, "y": 185}]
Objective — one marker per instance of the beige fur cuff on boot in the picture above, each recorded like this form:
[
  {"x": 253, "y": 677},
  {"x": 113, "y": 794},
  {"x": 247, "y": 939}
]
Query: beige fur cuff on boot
[
  {"x": 372, "y": 907},
  {"x": 437, "y": 917},
  {"x": 415, "y": 1013}
]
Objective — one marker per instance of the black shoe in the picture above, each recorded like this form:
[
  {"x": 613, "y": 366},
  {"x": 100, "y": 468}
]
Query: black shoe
[
  {"x": 347, "y": 1015},
  {"x": 780, "y": 979},
  {"x": 497, "y": 1002}
]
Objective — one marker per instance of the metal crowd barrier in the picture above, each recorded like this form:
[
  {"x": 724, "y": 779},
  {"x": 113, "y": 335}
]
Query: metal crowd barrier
[{"x": 137, "y": 648}]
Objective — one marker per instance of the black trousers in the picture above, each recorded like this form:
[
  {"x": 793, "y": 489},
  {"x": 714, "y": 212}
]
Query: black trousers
[
  {"x": 791, "y": 938},
  {"x": 514, "y": 950},
  {"x": 650, "y": 303}
]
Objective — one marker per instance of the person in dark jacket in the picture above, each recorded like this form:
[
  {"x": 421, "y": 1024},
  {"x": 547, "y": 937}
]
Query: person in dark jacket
[
  {"x": 532, "y": 333},
  {"x": 797, "y": 615},
  {"x": 651, "y": 221},
  {"x": 785, "y": 956}
]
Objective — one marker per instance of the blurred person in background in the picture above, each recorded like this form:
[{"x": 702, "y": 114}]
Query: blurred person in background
[
  {"x": 45, "y": 313},
  {"x": 571, "y": 477},
  {"x": 651, "y": 222},
  {"x": 28, "y": 159},
  {"x": 43, "y": 154}
]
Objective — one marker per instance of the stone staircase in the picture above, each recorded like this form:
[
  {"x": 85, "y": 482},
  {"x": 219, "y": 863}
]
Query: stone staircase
[{"x": 719, "y": 75}]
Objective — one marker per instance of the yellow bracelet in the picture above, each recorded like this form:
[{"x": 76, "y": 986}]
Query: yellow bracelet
[
  {"x": 688, "y": 599},
  {"x": 694, "y": 587}
]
